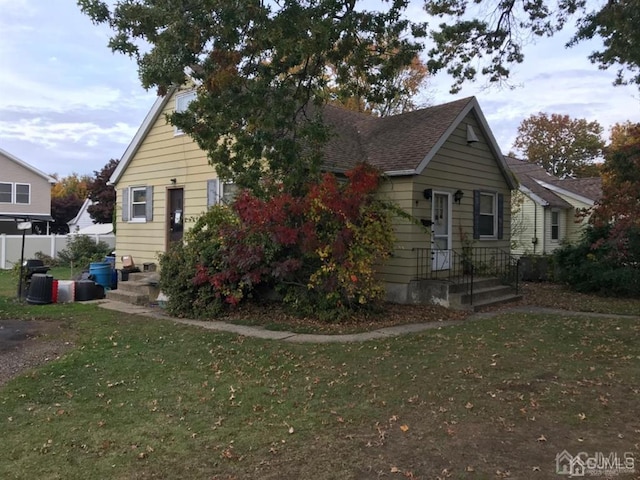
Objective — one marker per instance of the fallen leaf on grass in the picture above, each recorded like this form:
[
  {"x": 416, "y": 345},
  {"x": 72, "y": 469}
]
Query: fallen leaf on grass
[{"x": 404, "y": 428}]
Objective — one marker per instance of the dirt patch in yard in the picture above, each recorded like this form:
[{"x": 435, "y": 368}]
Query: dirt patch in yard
[{"x": 26, "y": 344}]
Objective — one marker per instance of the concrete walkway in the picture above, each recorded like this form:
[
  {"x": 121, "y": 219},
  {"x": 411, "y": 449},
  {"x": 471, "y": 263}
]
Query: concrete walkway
[{"x": 261, "y": 332}]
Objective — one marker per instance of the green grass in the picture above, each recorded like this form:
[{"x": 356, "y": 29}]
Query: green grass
[{"x": 146, "y": 398}]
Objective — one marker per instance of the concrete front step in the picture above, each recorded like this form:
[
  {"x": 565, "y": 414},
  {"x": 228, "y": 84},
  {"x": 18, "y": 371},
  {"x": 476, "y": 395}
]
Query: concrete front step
[
  {"x": 141, "y": 288},
  {"x": 485, "y": 293},
  {"x": 496, "y": 301},
  {"x": 478, "y": 283},
  {"x": 128, "y": 297}
]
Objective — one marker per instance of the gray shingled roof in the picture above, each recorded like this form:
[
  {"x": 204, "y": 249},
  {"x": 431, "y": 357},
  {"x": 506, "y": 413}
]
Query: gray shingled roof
[
  {"x": 394, "y": 143},
  {"x": 528, "y": 174},
  {"x": 590, "y": 187}
]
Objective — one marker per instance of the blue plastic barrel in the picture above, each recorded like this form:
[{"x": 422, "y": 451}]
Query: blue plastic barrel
[{"x": 101, "y": 273}]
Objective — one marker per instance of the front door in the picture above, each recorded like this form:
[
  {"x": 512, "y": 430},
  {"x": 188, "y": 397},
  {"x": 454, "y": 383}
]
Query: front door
[
  {"x": 175, "y": 215},
  {"x": 441, "y": 231}
]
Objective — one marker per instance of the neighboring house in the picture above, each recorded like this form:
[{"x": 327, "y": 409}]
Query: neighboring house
[
  {"x": 25, "y": 193},
  {"x": 549, "y": 214},
  {"x": 441, "y": 164},
  {"x": 82, "y": 219},
  {"x": 83, "y": 224}
]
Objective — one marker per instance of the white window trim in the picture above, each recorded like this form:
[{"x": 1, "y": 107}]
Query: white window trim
[
  {"x": 10, "y": 202},
  {"x": 132, "y": 218},
  {"x": 192, "y": 93},
  {"x": 15, "y": 193},
  {"x": 494, "y": 195}
]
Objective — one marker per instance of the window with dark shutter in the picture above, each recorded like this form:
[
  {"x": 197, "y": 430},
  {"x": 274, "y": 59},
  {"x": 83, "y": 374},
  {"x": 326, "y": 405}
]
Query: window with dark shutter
[{"x": 488, "y": 215}]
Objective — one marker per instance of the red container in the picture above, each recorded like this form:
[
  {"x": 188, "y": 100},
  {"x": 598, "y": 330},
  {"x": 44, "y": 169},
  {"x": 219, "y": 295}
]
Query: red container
[{"x": 54, "y": 292}]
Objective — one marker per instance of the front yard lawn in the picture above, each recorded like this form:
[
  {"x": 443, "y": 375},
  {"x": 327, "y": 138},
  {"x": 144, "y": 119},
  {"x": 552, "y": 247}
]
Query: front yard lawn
[{"x": 146, "y": 398}]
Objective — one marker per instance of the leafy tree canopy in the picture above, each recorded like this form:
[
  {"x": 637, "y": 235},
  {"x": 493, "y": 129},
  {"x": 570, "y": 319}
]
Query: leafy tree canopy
[
  {"x": 620, "y": 203},
  {"x": 102, "y": 195},
  {"x": 486, "y": 37},
  {"x": 562, "y": 145},
  {"x": 67, "y": 196},
  {"x": 618, "y": 211},
  {"x": 261, "y": 68},
  {"x": 409, "y": 83}
]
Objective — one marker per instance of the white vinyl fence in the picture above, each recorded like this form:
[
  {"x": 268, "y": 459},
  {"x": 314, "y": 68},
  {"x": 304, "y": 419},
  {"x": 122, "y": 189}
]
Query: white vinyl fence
[{"x": 11, "y": 246}]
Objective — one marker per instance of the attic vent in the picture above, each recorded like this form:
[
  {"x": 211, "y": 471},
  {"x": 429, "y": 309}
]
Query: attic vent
[{"x": 471, "y": 135}]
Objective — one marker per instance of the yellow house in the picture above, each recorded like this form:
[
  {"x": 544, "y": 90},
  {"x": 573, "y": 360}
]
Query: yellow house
[
  {"x": 441, "y": 164},
  {"x": 549, "y": 213}
]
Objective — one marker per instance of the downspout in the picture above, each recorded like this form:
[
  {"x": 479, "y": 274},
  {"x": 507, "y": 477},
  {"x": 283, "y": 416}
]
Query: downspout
[{"x": 535, "y": 227}]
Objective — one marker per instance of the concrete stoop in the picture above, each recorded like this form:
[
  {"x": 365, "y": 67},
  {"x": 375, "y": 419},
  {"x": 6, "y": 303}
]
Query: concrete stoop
[
  {"x": 140, "y": 289},
  {"x": 487, "y": 292}
]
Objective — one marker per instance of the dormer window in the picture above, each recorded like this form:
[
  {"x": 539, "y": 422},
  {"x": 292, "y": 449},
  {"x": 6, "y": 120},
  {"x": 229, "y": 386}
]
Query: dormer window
[{"x": 182, "y": 103}]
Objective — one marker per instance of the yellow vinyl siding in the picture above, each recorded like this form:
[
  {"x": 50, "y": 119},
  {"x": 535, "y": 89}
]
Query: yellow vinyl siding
[
  {"x": 456, "y": 165},
  {"x": 161, "y": 156},
  {"x": 530, "y": 223},
  {"x": 575, "y": 226}
]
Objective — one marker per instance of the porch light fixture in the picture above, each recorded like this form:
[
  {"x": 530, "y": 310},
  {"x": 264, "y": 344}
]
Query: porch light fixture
[
  {"x": 173, "y": 181},
  {"x": 427, "y": 193},
  {"x": 457, "y": 196},
  {"x": 426, "y": 223}
]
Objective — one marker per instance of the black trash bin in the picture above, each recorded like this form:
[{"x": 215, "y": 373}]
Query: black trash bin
[
  {"x": 31, "y": 267},
  {"x": 40, "y": 289}
]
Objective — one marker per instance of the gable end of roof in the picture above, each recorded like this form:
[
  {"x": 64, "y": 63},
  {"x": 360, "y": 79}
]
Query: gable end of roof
[
  {"x": 24, "y": 164},
  {"x": 140, "y": 135}
]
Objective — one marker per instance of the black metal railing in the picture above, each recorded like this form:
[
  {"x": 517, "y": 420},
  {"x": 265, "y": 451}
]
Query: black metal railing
[{"x": 461, "y": 267}]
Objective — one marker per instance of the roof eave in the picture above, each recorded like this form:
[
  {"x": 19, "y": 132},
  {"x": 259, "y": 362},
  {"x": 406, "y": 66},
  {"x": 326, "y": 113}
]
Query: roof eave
[
  {"x": 400, "y": 173},
  {"x": 24, "y": 164},
  {"x": 139, "y": 137},
  {"x": 568, "y": 193}
]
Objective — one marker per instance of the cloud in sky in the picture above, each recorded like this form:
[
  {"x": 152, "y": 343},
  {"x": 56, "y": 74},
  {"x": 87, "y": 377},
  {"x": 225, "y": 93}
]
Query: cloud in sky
[{"x": 68, "y": 104}]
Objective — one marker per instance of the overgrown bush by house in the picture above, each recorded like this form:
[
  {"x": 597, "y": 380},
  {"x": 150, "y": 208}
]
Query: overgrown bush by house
[
  {"x": 81, "y": 250},
  {"x": 317, "y": 251},
  {"x": 178, "y": 267},
  {"x": 596, "y": 265}
]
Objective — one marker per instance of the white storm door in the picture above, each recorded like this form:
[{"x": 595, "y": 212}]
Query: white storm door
[{"x": 441, "y": 231}]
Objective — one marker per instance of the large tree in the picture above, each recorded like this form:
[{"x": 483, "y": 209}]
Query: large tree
[
  {"x": 562, "y": 145},
  {"x": 486, "y": 37},
  {"x": 67, "y": 196},
  {"x": 261, "y": 71},
  {"x": 409, "y": 83},
  {"x": 102, "y": 195},
  {"x": 620, "y": 203}
]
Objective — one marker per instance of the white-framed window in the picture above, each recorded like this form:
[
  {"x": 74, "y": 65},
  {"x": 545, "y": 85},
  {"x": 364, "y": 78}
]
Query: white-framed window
[
  {"x": 6, "y": 192},
  {"x": 555, "y": 225},
  {"x": 488, "y": 218},
  {"x": 220, "y": 192},
  {"x": 23, "y": 193},
  {"x": 137, "y": 204},
  {"x": 182, "y": 103}
]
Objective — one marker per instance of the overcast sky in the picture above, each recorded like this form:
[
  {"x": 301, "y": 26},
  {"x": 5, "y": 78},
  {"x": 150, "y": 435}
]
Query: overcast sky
[{"x": 67, "y": 104}]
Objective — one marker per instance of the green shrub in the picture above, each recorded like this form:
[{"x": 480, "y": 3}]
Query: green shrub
[
  {"x": 318, "y": 251},
  {"x": 178, "y": 267},
  {"x": 595, "y": 265},
  {"x": 81, "y": 250}
]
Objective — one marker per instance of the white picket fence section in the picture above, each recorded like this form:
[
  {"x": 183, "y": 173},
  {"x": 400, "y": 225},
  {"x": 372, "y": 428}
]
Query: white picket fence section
[{"x": 11, "y": 246}]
